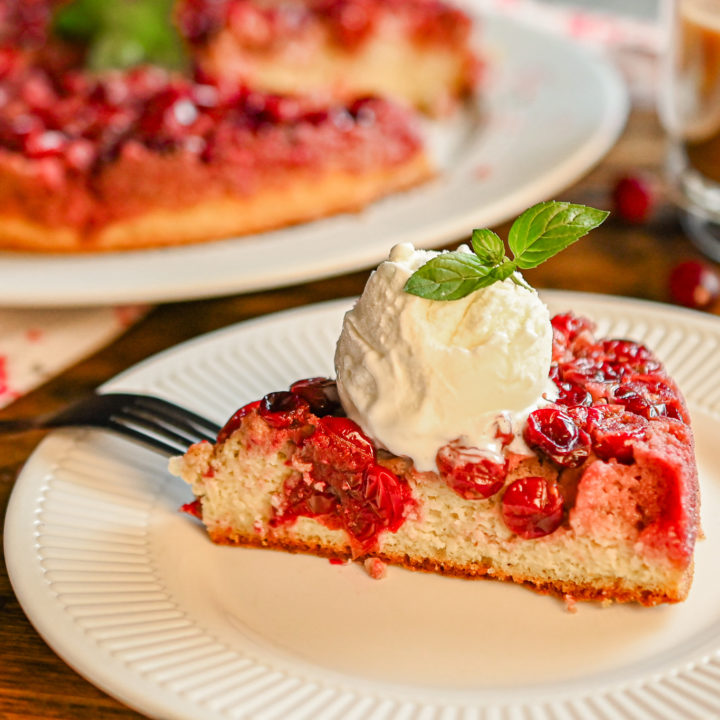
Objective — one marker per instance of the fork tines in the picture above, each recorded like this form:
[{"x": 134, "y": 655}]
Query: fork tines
[{"x": 159, "y": 423}]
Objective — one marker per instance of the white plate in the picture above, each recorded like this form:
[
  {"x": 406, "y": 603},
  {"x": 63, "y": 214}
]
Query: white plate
[
  {"x": 552, "y": 110},
  {"x": 132, "y": 594}
]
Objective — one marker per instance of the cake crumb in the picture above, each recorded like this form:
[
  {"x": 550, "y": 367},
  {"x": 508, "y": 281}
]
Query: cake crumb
[
  {"x": 570, "y": 603},
  {"x": 375, "y": 568}
]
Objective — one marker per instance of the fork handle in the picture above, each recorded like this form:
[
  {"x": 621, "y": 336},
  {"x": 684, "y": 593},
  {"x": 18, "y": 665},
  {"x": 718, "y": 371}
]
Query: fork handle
[{"x": 15, "y": 427}]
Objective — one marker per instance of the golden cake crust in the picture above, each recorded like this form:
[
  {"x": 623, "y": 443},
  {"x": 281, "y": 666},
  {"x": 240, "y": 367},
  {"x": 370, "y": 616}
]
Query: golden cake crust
[
  {"x": 302, "y": 198},
  {"x": 569, "y": 590}
]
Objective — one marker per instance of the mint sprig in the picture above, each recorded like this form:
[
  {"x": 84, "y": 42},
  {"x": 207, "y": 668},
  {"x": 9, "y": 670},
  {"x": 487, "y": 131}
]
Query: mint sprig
[
  {"x": 121, "y": 33},
  {"x": 539, "y": 233}
]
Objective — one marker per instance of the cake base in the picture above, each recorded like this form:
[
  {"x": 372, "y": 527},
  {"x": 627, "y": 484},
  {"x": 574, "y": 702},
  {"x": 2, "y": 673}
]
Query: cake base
[{"x": 303, "y": 197}]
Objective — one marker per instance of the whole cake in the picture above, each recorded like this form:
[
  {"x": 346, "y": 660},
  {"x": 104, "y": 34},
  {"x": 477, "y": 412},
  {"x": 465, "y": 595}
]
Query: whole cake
[
  {"x": 147, "y": 158},
  {"x": 419, "y": 51},
  {"x": 97, "y": 158},
  {"x": 473, "y": 437}
]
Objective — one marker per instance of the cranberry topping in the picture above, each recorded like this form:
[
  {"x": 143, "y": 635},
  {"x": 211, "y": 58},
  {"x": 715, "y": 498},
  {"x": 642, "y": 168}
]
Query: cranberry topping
[
  {"x": 566, "y": 329},
  {"x": 567, "y": 326},
  {"x": 655, "y": 394},
  {"x": 283, "y": 409},
  {"x": 532, "y": 507},
  {"x": 615, "y": 431},
  {"x": 634, "y": 398},
  {"x": 584, "y": 370},
  {"x": 554, "y": 433},
  {"x": 571, "y": 394},
  {"x": 316, "y": 500},
  {"x": 375, "y": 503},
  {"x": 346, "y": 487},
  {"x": 321, "y": 395},
  {"x": 199, "y": 19},
  {"x": 626, "y": 355},
  {"x": 24, "y": 23},
  {"x": 193, "y": 508},
  {"x": 349, "y": 23},
  {"x": 44, "y": 112},
  {"x": 339, "y": 444},
  {"x": 235, "y": 421},
  {"x": 468, "y": 473}
]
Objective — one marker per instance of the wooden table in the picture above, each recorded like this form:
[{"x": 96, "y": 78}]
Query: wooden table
[{"x": 619, "y": 258}]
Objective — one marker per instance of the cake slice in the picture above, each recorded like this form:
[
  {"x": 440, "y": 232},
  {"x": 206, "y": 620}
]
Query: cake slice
[
  {"x": 614, "y": 517},
  {"x": 144, "y": 158},
  {"x": 418, "y": 51},
  {"x": 472, "y": 437}
]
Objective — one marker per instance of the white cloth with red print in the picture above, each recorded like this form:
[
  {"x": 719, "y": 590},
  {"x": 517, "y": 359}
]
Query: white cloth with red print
[{"x": 37, "y": 344}]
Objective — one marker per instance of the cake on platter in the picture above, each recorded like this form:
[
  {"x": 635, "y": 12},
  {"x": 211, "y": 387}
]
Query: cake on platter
[
  {"x": 148, "y": 158},
  {"x": 170, "y": 150},
  {"x": 418, "y": 51},
  {"x": 469, "y": 433}
]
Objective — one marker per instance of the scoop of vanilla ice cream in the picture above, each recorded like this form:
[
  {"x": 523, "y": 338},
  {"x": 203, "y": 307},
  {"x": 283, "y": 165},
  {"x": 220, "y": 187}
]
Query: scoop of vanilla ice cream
[{"x": 416, "y": 374}]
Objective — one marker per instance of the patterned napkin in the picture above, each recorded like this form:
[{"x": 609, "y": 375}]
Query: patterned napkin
[{"x": 37, "y": 344}]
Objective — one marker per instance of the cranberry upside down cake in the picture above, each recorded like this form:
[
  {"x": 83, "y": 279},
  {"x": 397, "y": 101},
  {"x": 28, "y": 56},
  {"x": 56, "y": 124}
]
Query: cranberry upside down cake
[{"x": 602, "y": 504}]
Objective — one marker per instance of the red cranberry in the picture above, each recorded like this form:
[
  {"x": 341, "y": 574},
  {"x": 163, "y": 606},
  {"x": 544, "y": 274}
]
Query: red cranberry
[
  {"x": 310, "y": 499},
  {"x": 10, "y": 60},
  {"x": 281, "y": 108},
  {"x": 625, "y": 355},
  {"x": 571, "y": 394},
  {"x": 347, "y": 488},
  {"x": 378, "y": 504},
  {"x": 586, "y": 417},
  {"x": 567, "y": 326},
  {"x": 320, "y": 393},
  {"x": 236, "y": 420},
  {"x": 352, "y": 21},
  {"x": 583, "y": 370},
  {"x": 46, "y": 144},
  {"x": 632, "y": 198},
  {"x": 193, "y": 508},
  {"x": 468, "y": 473},
  {"x": 339, "y": 444},
  {"x": 662, "y": 395},
  {"x": 532, "y": 507},
  {"x": 635, "y": 401},
  {"x": 199, "y": 19},
  {"x": 168, "y": 115},
  {"x": 615, "y": 433},
  {"x": 554, "y": 433},
  {"x": 694, "y": 284},
  {"x": 283, "y": 409}
]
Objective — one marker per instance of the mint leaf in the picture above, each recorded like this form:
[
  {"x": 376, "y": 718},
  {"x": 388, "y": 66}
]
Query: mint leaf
[
  {"x": 504, "y": 270},
  {"x": 78, "y": 21},
  {"x": 539, "y": 233},
  {"x": 488, "y": 246},
  {"x": 122, "y": 34},
  {"x": 449, "y": 276},
  {"x": 547, "y": 228}
]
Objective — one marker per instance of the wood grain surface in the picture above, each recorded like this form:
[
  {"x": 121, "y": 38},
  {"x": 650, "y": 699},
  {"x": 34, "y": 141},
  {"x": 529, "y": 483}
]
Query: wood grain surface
[{"x": 619, "y": 258}]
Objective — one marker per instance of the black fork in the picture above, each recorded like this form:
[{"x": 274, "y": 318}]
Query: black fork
[{"x": 157, "y": 423}]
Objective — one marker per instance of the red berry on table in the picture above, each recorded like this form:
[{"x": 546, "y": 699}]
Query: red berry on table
[
  {"x": 632, "y": 198},
  {"x": 694, "y": 284}
]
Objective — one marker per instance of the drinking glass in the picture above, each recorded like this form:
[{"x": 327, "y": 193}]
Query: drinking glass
[{"x": 689, "y": 108}]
